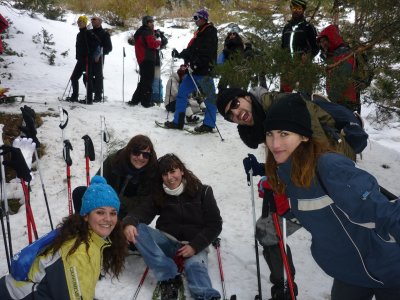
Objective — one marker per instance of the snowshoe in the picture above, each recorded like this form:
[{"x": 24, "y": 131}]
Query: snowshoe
[
  {"x": 170, "y": 288},
  {"x": 203, "y": 129}
]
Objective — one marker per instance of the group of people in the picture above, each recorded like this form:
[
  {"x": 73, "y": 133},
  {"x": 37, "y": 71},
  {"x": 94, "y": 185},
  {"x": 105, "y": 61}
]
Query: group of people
[
  {"x": 91, "y": 47},
  {"x": 115, "y": 210}
]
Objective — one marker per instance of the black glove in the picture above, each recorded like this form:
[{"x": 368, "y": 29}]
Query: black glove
[
  {"x": 29, "y": 115},
  {"x": 175, "y": 53},
  {"x": 17, "y": 162},
  {"x": 251, "y": 163}
]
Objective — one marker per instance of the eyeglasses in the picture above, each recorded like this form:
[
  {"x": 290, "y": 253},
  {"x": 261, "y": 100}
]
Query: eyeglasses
[
  {"x": 235, "y": 103},
  {"x": 197, "y": 17},
  {"x": 94, "y": 19},
  {"x": 145, "y": 154}
]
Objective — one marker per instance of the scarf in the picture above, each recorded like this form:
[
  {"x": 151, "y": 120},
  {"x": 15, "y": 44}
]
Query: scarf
[{"x": 175, "y": 192}]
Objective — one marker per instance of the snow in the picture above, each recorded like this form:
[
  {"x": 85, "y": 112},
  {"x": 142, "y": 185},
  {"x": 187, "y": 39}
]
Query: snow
[{"x": 217, "y": 163}]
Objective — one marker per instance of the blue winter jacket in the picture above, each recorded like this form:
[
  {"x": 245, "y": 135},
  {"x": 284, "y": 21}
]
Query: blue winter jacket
[{"x": 355, "y": 229}]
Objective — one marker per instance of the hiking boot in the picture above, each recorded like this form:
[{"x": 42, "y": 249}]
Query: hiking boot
[
  {"x": 277, "y": 292},
  {"x": 203, "y": 128},
  {"x": 192, "y": 119},
  {"x": 132, "y": 103},
  {"x": 169, "y": 288},
  {"x": 72, "y": 99},
  {"x": 172, "y": 125}
]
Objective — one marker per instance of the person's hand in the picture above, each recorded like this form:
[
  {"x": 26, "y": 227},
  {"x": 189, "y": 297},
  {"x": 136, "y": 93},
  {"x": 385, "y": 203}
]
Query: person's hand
[
  {"x": 175, "y": 53},
  {"x": 130, "y": 233},
  {"x": 186, "y": 251},
  {"x": 251, "y": 163},
  {"x": 17, "y": 162}
]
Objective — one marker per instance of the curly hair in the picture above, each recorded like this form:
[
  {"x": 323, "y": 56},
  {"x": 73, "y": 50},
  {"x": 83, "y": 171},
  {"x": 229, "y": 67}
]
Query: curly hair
[
  {"x": 75, "y": 227},
  {"x": 170, "y": 162}
]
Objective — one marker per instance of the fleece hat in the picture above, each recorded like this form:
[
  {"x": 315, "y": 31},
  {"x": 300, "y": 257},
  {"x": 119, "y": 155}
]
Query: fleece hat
[
  {"x": 227, "y": 95},
  {"x": 98, "y": 194},
  {"x": 147, "y": 19},
  {"x": 202, "y": 13},
  {"x": 302, "y": 3},
  {"x": 83, "y": 18},
  {"x": 289, "y": 113}
]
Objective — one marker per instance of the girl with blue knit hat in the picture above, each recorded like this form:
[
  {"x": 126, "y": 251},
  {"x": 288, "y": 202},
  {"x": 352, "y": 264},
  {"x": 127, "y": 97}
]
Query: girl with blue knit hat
[
  {"x": 355, "y": 229},
  {"x": 86, "y": 243}
]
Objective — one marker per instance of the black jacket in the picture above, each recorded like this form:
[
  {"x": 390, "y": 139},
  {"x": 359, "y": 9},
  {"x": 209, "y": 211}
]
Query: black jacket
[
  {"x": 105, "y": 39},
  {"x": 304, "y": 37},
  {"x": 86, "y": 44},
  {"x": 195, "y": 219},
  {"x": 201, "y": 54}
]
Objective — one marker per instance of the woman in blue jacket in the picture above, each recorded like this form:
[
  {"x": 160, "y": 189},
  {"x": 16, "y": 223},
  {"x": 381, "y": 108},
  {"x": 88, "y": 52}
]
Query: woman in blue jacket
[{"x": 355, "y": 229}]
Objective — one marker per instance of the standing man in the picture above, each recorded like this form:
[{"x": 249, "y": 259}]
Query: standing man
[
  {"x": 340, "y": 85},
  {"x": 200, "y": 56},
  {"x": 299, "y": 38},
  {"x": 87, "y": 51},
  {"x": 146, "y": 46},
  {"x": 106, "y": 47}
]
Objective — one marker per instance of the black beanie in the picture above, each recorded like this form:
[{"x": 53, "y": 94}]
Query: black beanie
[
  {"x": 227, "y": 95},
  {"x": 146, "y": 19},
  {"x": 289, "y": 113}
]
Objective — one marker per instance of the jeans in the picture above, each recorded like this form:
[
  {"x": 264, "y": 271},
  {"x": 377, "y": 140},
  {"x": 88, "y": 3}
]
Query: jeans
[
  {"x": 158, "y": 251},
  {"x": 206, "y": 85}
]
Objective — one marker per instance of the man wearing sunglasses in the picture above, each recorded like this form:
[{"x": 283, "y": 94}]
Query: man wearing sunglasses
[{"x": 200, "y": 55}]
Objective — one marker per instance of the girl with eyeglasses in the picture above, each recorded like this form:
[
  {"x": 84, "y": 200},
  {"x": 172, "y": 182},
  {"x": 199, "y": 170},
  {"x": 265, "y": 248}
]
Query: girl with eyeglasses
[{"x": 189, "y": 221}]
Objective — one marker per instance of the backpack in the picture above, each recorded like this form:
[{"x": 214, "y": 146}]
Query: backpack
[
  {"x": 345, "y": 121},
  {"x": 22, "y": 261},
  {"x": 364, "y": 73}
]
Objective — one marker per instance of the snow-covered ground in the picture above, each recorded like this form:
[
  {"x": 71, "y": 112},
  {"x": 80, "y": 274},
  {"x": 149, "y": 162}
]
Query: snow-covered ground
[{"x": 217, "y": 163}]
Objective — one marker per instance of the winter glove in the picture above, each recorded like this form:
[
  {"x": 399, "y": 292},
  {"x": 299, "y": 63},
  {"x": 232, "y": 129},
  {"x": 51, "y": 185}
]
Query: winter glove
[
  {"x": 131, "y": 41},
  {"x": 17, "y": 162},
  {"x": 175, "y": 53},
  {"x": 251, "y": 163},
  {"x": 272, "y": 202},
  {"x": 29, "y": 115}
]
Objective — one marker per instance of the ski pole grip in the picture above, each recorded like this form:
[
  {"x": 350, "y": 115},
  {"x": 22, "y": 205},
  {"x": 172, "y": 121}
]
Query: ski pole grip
[
  {"x": 89, "y": 148},
  {"x": 67, "y": 151},
  {"x": 217, "y": 242},
  {"x": 62, "y": 112}
]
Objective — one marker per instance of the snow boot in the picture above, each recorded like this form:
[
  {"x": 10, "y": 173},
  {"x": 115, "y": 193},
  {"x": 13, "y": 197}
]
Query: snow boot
[
  {"x": 203, "y": 129},
  {"x": 278, "y": 294},
  {"x": 173, "y": 125},
  {"x": 170, "y": 288},
  {"x": 192, "y": 119}
]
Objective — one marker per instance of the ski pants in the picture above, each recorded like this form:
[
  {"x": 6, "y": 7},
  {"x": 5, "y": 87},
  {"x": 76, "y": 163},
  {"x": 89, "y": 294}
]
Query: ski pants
[
  {"x": 207, "y": 86},
  {"x": 80, "y": 67},
  {"x": 345, "y": 291},
  {"x": 158, "y": 251},
  {"x": 266, "y": 235},
  {"x": 144, "y": 89}
]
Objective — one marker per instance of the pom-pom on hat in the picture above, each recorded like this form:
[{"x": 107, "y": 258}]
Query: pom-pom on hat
[
  {"x": 302, "y": 3},
  {"x": 202, "y": 13},
  {"x": 98, "y": 194},
  {"x": 84, "y": 19},
  {"x": 289, "y": 113},
  {"x": 226, "y": 96}
]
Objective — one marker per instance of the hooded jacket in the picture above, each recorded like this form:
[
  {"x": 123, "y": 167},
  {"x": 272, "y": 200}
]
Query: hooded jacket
[
  {"x": 340, "y": 85},
  {"x": 145, "y": 44},
  {"x": 59, "y": 276},
  {"x": 355, "y": 229}
]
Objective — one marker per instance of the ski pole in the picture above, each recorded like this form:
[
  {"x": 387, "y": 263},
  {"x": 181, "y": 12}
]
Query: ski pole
[
  {"x": 287, "y": 274},
  {"x": 62, "y": 97},
  {"x": 68, "y": 161},
  {"x": 255, "y": 239},
  {"x": 4, "y": 194},
  {"x": 89, "y": 155},
  {"x": 123, "y": 74},
  {"x": 217, "y": 244},
  {"x": 3, "y": 230},
  {"x": 207, "y": 110},
  {"x": 140, "y": 283},
  {"x": 102, "y": 121},
  {"x": 30, "y": 221},
  {"x": 62, "y": 123}
]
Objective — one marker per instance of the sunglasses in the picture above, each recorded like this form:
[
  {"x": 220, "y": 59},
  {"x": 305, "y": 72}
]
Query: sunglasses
[
  {"x": 196, "y": 17},
  {"x": 94, "y": 19},
  {"x": 235, "y": 103},
  {"x": 145, "y": 154}
]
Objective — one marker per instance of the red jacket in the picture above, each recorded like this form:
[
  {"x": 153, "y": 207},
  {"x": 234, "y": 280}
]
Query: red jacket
[
  {"x": 3, "y": 26},
  {"x": 145, "y": 44},
  {"x": 340, "y": 86}
]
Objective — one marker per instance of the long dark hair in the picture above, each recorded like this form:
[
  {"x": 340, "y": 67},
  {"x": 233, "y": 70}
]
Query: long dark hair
[
  {"x": 304, "y": 163},
  {"x": 138, "y": 142},
  {"x": 75, "y": 226},
  {"x": 170, "y": 162}
]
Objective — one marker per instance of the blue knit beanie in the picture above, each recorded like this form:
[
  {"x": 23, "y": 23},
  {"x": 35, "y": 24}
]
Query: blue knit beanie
[{"x": 99, "y": 194}]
